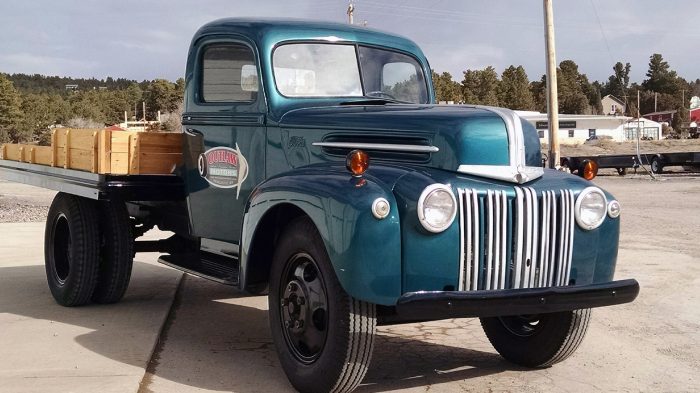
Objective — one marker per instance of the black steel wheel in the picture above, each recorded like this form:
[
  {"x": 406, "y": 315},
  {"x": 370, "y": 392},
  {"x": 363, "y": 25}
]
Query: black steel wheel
[
  {"x": 622, "y": 171},
  {"x": 537, "y": 340},
  {"x": 656, "y": 165},
  {"x": 71, "y": 249},
  {"x": 304, "y": 308},
  {"x": 116, "y": 252},
  {"x": 324, "y": 337}
]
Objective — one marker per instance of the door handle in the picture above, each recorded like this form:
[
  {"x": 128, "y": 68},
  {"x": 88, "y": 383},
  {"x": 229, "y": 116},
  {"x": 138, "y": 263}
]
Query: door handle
[{"x": 193, "y": 132}]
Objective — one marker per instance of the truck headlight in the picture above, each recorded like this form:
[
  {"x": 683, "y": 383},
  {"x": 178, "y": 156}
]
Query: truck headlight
[
  {"x": 437, "y": 208},
  {"x": 591, "y": 208}
]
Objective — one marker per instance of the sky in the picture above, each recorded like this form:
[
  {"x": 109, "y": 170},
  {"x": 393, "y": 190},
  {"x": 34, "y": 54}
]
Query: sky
[{"x": 148, "y": 39}]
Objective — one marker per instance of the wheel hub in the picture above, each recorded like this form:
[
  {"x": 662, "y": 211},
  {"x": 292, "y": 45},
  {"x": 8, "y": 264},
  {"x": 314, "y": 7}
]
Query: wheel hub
[{"x": 304, "y": 308}]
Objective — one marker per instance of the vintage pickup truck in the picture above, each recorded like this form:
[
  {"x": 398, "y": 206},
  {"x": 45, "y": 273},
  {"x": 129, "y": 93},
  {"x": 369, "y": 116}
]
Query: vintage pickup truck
[{"x": 317, "y": 167}]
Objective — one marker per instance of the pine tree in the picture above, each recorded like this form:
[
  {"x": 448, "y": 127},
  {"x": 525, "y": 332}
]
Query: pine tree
[
  {"x": 514, "y": 89},
  {"x": 10, "y": 112}
]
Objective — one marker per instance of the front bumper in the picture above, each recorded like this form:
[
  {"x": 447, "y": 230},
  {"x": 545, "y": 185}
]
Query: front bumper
[{"x": 424, "y": 306}]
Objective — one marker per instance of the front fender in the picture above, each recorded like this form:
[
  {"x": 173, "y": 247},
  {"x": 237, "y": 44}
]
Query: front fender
[{"x": 364, "y": 251}]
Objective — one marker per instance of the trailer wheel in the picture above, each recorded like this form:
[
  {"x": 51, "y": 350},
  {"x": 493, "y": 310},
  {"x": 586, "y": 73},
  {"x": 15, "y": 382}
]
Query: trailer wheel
[
  {"x": 324, "y": 337},
  {"x": 622, "y": 171},
  {"x": 71, "y": 249},
  {"x": 537, "y": 340},
  {"x": 116, "y": 253},
  {"x": 656, "y": 165}
]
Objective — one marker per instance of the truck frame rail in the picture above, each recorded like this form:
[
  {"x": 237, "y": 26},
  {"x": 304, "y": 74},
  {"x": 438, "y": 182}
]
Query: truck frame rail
[{"x": 95, "y": 186}]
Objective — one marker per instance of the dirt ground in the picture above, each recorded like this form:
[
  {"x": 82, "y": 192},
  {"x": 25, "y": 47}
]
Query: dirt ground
[
  {"x": 605, "y": 146},
  {"x": 216, "y": 340}
]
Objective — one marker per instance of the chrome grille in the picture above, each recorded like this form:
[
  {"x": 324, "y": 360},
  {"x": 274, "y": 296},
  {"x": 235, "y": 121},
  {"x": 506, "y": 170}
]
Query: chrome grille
[{"x": 515, "y": 241}]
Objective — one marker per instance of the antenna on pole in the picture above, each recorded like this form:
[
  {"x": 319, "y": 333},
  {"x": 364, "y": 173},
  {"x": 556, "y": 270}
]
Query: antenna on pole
[{"x": 351, "y": 10}]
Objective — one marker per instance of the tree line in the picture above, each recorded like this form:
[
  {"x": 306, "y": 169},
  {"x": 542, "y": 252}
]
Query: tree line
[
  {"x": 662, "y": 89},
  {"x": 31, "y": 104}
]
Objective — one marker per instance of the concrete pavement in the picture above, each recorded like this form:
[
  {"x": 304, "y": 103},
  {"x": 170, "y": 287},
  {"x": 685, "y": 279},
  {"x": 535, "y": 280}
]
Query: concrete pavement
[{"x": 97, "y": 348}]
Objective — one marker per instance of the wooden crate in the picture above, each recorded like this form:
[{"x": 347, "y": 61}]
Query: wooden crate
[
  {"x": 27, "y": 153},
  {"x": 139, "y": 152},
  {"x": 104, "y": 151}
]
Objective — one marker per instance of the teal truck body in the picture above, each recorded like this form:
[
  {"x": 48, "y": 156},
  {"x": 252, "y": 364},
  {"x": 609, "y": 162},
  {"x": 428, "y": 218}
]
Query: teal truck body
[{"x": 318, "y": 168}]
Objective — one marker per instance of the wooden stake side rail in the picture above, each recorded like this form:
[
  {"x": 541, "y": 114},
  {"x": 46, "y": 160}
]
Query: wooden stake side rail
[{"x": 103, "y": 151}]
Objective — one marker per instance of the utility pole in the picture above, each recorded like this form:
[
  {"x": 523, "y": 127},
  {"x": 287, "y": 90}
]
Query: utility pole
[
  {"x": 655, "y": 95},
  {"x": 552, "y": 100},
  {"x": 351, "y": 10}
]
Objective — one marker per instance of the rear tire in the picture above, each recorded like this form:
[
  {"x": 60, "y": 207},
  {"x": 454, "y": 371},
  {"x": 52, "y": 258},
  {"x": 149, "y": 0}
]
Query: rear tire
[
  {"x": 622, "y": 171},
  {"x": 71, "y": 249},
  {"x": 537, "y": 340},
  {"x": 656, "y": 166},
  {"x": 324, "y": 337},
  {"x": 116, "y": 253}
]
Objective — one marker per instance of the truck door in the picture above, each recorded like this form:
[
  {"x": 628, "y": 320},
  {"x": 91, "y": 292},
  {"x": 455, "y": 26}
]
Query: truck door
[{"x": 224, "y": 126}]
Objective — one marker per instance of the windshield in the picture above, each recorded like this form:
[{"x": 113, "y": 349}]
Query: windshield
[{"x": 334, "y": 70}]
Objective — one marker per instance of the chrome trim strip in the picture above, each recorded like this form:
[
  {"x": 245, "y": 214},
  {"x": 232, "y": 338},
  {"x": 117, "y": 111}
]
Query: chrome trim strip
[
  {"x": 535, "y": 232},
  {"x": 571, "y": 237},
  {"x": 380, "y": 146},
  {"x": 475, "y": 230},
  {"x": 488, "y": 256},
  {"x": 462, "y": 225},
  {"x": 504, "y": 238},
  {"x": 518, "y": 237},
  {"x": 562, "y": 234},
  {"x": 511, "y": 174}
]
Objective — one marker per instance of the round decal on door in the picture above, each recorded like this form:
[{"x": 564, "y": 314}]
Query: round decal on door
[{"x": 223, "y": 167}]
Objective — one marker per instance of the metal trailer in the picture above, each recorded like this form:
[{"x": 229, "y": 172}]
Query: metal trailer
[{"x": 655, "y": 161}]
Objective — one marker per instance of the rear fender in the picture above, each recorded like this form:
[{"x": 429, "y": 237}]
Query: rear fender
[{"x": 364, "y": 251}]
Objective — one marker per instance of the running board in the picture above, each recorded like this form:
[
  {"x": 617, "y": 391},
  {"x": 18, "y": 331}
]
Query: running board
[{"x": 206, "y": 265}]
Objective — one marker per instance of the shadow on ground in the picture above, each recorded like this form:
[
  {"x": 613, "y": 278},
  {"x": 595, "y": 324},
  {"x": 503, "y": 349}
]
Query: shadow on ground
[{"x": 219, "y": 340}]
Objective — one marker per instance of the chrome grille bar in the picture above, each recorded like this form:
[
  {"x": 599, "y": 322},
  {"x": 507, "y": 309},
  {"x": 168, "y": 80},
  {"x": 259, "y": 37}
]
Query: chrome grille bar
[{"x": 520, "y": 241}]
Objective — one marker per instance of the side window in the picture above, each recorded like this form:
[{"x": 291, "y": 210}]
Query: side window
[{"x": 229, "y": 73}]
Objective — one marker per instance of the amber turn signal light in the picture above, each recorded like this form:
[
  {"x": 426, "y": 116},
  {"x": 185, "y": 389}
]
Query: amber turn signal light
[
  {"x": 589, "y": 169},
  {"x": 357, "y": 162}
]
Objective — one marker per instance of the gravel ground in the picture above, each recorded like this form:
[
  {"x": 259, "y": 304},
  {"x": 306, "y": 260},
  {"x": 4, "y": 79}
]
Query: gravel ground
[{"x": 23, "y": 203}]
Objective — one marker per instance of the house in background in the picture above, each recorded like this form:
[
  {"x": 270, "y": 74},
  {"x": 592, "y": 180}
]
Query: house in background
[
  {"x": 661, "y": 117},
  {"x": 613, "y": 105}
]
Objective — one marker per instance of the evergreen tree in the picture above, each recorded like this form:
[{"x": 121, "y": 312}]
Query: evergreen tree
[
  {"x": 514, "y": 89},
  {"x": 445, "y": 88},
  {"x": 572, "y": 87},
  {"x": 660, "y": 77},
  {"x": 10, "y": 112},
  {"x": 480, "y": 87},
  {"x": 618, "y": 82}
]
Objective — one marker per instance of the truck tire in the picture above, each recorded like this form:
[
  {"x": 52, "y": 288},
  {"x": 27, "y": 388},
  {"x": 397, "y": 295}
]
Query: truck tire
[
  {"x": 71, "y": 249},
  {"x": 537, "y": 340},
  {"x": 656, "y": 165},
  {"x": 324, "y": 337},
  {"x": 116, "y": 253},
  {"x": 622, "y": 171}
]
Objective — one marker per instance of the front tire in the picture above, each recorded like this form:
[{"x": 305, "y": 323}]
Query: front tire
[
  {"x": 324, "y": 337},
  {"x": 537, "y": 340},
  {"x": 71, "y": 249}
]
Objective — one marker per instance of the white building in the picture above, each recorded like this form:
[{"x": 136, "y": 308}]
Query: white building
[
  {"x": 646, "y": 128},
  {"x": 576, "y": 129}
]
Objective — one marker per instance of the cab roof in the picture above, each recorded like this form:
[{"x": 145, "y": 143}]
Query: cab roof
[{"x": 268, "y": 32}]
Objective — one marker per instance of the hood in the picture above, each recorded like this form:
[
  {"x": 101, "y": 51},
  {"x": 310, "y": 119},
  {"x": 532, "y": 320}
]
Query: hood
[{"x": 483, "y": 141}]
